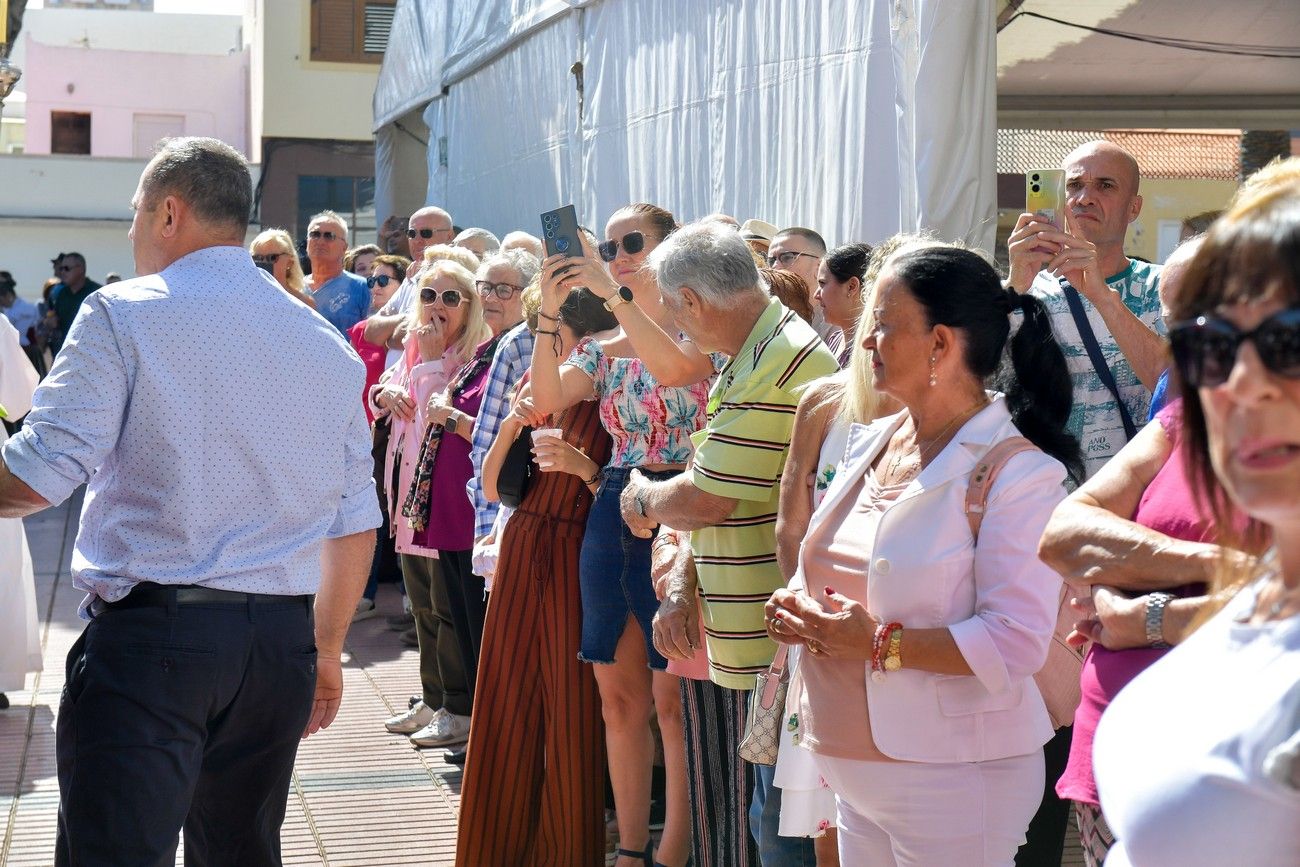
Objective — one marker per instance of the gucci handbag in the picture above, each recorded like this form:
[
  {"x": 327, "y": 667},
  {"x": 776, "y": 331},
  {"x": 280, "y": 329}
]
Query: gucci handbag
[{"x": 766, "y": 710}]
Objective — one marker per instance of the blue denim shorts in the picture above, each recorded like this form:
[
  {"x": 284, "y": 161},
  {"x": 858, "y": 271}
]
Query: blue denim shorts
[{"x": 614, "y": 574}]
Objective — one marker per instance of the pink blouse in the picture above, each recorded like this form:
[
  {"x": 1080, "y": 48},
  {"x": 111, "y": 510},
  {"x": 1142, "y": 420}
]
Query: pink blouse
[
  {"x": 831, "y": 694},
  {"x": 422, "y": 380}
]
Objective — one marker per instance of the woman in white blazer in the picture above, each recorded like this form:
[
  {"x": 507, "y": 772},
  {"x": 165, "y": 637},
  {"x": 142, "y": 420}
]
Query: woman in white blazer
[{"x": 916, "y": 695}]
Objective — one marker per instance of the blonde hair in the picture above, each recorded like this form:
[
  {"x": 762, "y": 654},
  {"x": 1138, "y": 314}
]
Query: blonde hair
[
  {"x": 475, "y": 330},
  {"x": 532, "y": 298},
  {"x": 284, "y": 240},
  {"x": 462, "y": 256}
]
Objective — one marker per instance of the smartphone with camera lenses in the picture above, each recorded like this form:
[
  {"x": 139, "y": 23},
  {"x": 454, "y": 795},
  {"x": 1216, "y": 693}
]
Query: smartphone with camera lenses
[
  {"x": 560, "y": 232},
  {"x": 1045, "y": 195}
]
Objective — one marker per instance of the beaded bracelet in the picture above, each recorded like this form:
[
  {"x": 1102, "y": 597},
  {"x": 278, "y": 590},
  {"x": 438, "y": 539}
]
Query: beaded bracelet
[{"x": 880, "y": 641}]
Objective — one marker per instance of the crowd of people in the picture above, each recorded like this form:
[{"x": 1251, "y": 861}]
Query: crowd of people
[{"x": 800, "y": 553}]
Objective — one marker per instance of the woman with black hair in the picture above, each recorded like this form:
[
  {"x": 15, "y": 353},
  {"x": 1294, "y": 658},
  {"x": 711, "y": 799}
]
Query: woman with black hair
[
  {"x": 841, "y": 287},
  {"x": 923, "y": 627}
]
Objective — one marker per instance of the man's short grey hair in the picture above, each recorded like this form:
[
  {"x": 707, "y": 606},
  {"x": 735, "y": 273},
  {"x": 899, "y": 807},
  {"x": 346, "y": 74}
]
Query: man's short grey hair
[
  {"x": 331, "y": 217},
  {"x": 208, "y": 175},
  {"x": 525, "y": 263},
  {"x": 709, "y": 257},
  {"x": 491, "y": 243}
]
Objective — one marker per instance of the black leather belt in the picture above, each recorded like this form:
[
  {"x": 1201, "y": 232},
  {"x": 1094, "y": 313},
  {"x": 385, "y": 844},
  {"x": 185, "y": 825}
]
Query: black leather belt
[{"x": 148, "y": 595}]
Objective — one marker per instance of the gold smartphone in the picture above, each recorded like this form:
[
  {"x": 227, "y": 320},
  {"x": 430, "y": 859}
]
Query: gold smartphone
[{"x": 1045, "y": 195}]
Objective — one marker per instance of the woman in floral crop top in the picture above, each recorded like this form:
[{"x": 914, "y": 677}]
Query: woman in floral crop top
[{"x": 652, "y": 389}]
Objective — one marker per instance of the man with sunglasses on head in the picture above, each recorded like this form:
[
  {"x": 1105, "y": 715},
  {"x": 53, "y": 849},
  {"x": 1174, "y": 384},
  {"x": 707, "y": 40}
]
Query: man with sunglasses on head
[
  {"x": 428, "y": 226},
  {"x": 67, "y": 296},
  {"x": 340, "y": 296}
]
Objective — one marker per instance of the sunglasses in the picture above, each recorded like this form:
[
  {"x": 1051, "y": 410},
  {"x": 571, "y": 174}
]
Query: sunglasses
[
  {"x": 450, "y": 297},
  {"x": 632, "y": 243},
  {"x": 1205, "y": 348},
  {"x": 787, "y": 257},
  {"x": 68, "y": 268},
  {"x": 268, "y": 258},
  {"x": 501, "y": 290},
  {"x": 426, "y": 234},
  {"x": 315, "y": 234},
  {"x": 382, "y": 280}
]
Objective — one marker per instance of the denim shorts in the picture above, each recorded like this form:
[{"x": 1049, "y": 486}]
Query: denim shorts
[{"x": 614, "y": 573}]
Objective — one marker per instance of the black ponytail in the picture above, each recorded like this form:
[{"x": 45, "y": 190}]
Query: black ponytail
[
  {"x": 959, "y": 289},
  {"x": 1036, "y": 381}
]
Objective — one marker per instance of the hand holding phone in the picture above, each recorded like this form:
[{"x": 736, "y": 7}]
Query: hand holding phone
[{"x": 560, "y": 232}]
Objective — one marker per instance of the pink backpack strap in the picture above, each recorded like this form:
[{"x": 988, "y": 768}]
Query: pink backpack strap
[{"x": 985, "y": 473}]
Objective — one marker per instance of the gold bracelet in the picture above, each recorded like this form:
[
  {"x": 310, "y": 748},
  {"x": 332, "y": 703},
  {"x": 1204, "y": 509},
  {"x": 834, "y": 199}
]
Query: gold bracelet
[{"x": 894, "y": 658}]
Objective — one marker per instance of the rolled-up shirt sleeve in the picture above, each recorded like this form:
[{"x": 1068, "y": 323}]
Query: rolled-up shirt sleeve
[
  {"x": 77, "y": 412},
  {"x": 1016, "y": 594},
  {"x": 359, "y": 507}
]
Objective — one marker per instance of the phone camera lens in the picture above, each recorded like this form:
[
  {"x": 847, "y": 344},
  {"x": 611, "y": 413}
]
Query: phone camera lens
[
  {"x": 1034, "y": 188},
  {"x": 562, "y": 245},
  {"x": 1034, "y": 177}
]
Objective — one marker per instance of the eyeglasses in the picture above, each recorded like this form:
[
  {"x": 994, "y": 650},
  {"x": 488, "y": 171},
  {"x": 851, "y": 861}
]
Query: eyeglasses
[
  {"x": 633, "y": 243},
  {"x": 501, "y": 290},
  {"x": 315, "y": 234},
  {"x": 267, "y": 258},
  {"x": 450, "y": 297},
  {"x": 1205, "y": 348},
  {"x": 426, "y": 234},
  {"x": 63, "y": 268},
  {"x": 383, "y": 280},
  {"x": 787, "y": 257}
]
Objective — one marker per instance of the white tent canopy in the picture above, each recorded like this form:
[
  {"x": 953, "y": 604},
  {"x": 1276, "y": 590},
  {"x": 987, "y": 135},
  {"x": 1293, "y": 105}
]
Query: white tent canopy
[{"x": 858, "y": 119}]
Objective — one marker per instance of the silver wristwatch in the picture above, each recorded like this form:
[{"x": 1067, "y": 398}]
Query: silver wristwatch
[{"x": 1155, "y": 620}]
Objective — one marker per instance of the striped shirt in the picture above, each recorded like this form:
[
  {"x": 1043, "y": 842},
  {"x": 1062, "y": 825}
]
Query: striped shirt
[{"x": 740, "y": 454}]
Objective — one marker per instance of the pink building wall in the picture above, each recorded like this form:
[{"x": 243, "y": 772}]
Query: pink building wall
[{"x": 210, "y": 91}]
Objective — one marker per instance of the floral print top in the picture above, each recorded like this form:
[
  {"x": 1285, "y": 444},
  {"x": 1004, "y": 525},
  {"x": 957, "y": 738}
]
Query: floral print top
[{"x": 649, "y": 423}]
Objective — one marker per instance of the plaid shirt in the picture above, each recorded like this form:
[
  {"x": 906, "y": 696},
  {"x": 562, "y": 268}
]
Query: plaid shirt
[{"x": 512, "y": 358}]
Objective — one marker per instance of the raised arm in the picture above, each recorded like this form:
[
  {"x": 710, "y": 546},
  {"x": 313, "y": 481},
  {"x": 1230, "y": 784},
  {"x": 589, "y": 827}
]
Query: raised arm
[{"x": 555, "y": 386}]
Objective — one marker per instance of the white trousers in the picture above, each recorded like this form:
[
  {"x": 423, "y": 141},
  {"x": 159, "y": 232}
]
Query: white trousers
[{"x": 914, "y": 814}]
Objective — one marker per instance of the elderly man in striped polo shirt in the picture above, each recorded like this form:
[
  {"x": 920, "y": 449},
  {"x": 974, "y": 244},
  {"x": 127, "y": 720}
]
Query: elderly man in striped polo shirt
[{"x": 728, "y": 499}]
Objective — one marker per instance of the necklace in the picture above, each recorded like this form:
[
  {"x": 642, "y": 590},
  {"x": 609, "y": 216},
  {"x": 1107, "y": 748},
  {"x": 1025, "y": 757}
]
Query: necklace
[{"x": 922, "y": 446}]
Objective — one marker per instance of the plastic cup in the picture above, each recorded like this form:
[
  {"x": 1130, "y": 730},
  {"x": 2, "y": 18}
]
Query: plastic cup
[{"x": 546, "y": 432}]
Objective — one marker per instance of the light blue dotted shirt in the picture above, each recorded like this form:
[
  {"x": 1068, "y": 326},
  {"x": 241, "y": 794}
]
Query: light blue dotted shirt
[{"x": 217, "y": 422}]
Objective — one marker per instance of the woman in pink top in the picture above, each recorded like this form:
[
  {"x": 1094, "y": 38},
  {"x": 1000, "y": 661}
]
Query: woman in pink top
[
  {"x": 388, "y": 272},
  {"x": 442, "y": 337}
]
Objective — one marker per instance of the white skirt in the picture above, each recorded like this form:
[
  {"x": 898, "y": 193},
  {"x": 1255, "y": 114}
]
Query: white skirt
[
  {"x": 807, "y": 803},
  {"x": 20, "y": 638}
]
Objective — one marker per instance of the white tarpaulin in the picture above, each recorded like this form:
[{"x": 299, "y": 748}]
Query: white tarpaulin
[
  {"x": 855, "y": 118},
  {"x": 412, "y": 71}
]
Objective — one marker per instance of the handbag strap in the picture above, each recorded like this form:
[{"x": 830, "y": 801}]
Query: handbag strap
[
  {"x": 985, "y": 472},
  {"x": 1099, "y": 364},
  {"x": 775, "y": 675}
]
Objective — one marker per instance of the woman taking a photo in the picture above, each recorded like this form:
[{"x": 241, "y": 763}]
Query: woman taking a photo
[
  {"x": 650, "y": 423},
  {"x": 915, "y": 692}
]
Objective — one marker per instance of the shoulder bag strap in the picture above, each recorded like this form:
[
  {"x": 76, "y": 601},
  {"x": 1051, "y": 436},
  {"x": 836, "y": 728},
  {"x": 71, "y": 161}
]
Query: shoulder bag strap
[
  {"x": 985, "y": 473},
  {"x": 1094, "y": 354}
]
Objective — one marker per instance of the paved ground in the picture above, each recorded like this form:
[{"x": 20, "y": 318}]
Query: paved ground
[{"x": 360, "y": 796}]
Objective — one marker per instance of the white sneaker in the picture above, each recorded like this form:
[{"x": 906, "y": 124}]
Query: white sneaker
[
  {"x": 445, "y": 728},
  {"x": 412, "y": 719},
  {"x": 365, "y": 609}
]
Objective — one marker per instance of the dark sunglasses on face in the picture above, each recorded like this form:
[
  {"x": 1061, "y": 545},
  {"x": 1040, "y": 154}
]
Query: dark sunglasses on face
[
  {"x": 501, "y": 290},
  {"x": 450, "y": 297},
  {"x": 1205, "y": 348},
  {"x": 267, "y": 258},
  {"x": 426, "y": 234},
  {"x": 787, "y": 258},
  {"x": 632, "y": 243},
  {"x": 63, "y": 268},
  {"x": 314, "y": 234},
  {"x": 382, "y": 280}
]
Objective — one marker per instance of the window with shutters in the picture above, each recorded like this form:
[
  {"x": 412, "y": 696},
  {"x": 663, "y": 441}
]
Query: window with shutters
[
  {"x": 351, "y": 31},
  {"x": 69, "y": 132}
]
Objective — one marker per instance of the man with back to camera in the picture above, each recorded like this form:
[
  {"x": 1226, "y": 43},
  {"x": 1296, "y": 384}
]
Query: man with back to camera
[
  {"x": 225, "y": 488},
  {"x": 340, "y": 296}
]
